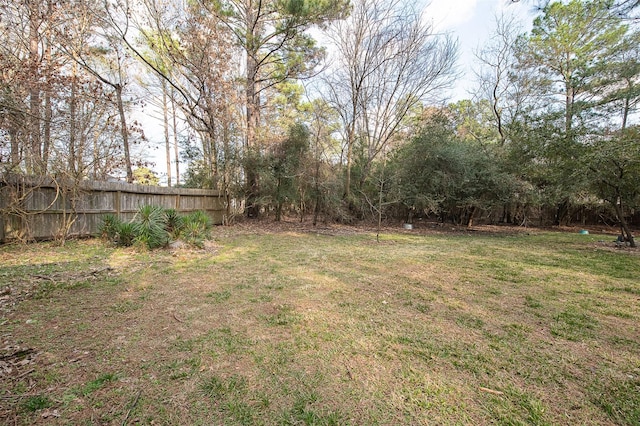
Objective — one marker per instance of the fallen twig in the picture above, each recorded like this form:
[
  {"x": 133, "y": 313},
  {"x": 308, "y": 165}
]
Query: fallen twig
[
  {"x": 491, "y": 391},
  {"x": 44, "y": 277},
  {"x": 135, "y": 402},
  {"x": 20, "y": 353},
  {"x": 25, "y": 373},
  {"x": 176, "y": 317},
  {"x": 349, "y": 375},
  {"x": 98, "y": 271}
]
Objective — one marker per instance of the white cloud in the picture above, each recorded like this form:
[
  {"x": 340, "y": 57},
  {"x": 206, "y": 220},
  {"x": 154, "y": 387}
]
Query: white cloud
[{"x": 448, "y": 14}]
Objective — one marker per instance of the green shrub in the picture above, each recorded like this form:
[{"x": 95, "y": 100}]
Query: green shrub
[
  {"x": 149, "y": 227},
  {"x": 196, "y": 228},
  {"x": 154, "y": 227},
  {"x": 202, "y": 219},
  {"x": 108, "y": 228},
  {"x": 192, "y": 234},
  {"x": 173, "y": 223},
  {"x": 126, "y": 234}
]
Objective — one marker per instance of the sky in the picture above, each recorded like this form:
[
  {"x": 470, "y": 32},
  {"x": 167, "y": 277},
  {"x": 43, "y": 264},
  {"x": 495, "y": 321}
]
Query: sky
[{"x": 472, "y": 22}]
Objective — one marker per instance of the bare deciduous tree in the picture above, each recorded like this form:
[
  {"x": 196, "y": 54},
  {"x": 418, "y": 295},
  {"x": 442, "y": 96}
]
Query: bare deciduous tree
[
  {"x": 499, "y": 79},
  {"x": 387, "y": 60},
  {"x": 187, "y": 47}
]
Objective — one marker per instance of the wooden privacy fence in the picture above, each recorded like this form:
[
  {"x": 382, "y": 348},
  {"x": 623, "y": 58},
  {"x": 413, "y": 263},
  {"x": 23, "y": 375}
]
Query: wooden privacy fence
[{"x": 46, "y": 208}]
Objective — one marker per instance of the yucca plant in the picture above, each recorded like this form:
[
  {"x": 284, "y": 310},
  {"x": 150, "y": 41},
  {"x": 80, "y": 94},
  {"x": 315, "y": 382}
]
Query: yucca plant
[
  {"x": 173, "y": 223},
  {"x": 149, "y": 227},
  {"x": 203, "y": 220},
  {"x": 192, "y": 233},
  {"x": 108, "y": 228},
  {"x": 126, "y": 234},
  {"x": 154, "y": 227},
  {"x": 196, "y": 228}
]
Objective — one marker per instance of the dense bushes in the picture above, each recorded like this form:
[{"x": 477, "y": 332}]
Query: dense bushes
[
  {"x": 155, "y": 227},
  {"x": 439, "y": 172}
]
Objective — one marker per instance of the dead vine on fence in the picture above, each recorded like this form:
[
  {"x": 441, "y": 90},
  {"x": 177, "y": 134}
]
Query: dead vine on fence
[{"x": 18, "y": 190}]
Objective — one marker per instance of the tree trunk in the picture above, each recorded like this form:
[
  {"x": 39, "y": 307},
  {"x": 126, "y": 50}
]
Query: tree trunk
[
  {"x": 81, "y": 148},
  {"x": 347, "y": 179},
  {"x": 316, "y": 209},
  {"x": 48, "y": 116},
  {"x": 34, "y": 159},
  {"x": 175, "y": 137},
  {"x": 561, "y": 213},
  {"x": 278, "y": 202},
  {"x": 165, "y": 122},
  {"x": 15, "y": 145},
  {"x": 506, "y": 214},
  {"x": 380, "y": 197},
  {"x": 97, "y": 166},
  {"x": 253, "y": 120},
  {"x": 48, "y": 109},
  {"x": 124, "y": 133},
  {"x": 569, "y": 98},
  {"x": 72, "y": 121},
  {"x": 252, "y": 35},
  {"x": 568, "y": 114},
  {"x": 496, "y": 110},
  {"x": 471, "y": 215},
  {"x": 316, "y": 183},
  {"x": 226, "y": 169},
  {"x": 380, "y": 205},
  {"x": 623, "y": 222},
  {"x": 626, "y": 109}
]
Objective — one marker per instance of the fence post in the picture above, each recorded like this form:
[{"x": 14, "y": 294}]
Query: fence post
[{"x": 116, "y": 203}]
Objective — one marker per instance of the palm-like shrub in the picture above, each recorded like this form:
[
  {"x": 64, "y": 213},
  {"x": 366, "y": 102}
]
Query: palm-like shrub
[
  {"x": 126, "y": 234},
  {"x": 149, "y": 227},
  {"x": 202, "y": 219},
  {"x": 173, "y": 223},
  {"x": 108, "y": 228},
  {"x": 154, "y": 227},
  {"x": 196, "y": 228}
]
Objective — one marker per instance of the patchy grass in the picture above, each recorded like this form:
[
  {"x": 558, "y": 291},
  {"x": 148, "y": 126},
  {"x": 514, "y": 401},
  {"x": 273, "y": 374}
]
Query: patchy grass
[
  {"x": 36, "y": 403},
  {"x": 325, "y": 327}
]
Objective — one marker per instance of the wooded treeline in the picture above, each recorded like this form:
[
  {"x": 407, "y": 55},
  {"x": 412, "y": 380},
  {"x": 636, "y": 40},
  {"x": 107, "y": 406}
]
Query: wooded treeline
[{"x": 330, "y": 108}]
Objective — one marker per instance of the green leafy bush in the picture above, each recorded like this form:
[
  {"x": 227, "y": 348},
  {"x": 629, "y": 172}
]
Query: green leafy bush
[{"x": 192, "y": 234}]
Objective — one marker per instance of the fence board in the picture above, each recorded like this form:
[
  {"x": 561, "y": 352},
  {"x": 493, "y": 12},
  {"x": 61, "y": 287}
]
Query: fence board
[{"x": 38, "y": 208}]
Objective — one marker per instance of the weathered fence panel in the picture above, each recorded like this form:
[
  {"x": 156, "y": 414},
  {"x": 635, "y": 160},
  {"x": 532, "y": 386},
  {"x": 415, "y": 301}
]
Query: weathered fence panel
[{"x": 45, "y": 208}]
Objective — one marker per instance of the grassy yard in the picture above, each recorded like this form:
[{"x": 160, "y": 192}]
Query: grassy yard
[{"x": 326, "y": 327}]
